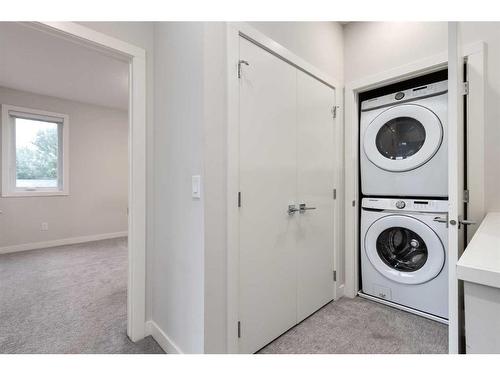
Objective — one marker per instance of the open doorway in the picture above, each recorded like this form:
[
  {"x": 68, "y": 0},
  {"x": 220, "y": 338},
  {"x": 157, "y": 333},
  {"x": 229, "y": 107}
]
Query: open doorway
[{"x": 68, "y": 196}]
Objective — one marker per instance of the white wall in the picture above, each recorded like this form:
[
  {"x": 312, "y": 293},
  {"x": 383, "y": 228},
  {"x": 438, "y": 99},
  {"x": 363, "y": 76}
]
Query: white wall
[
  {"x": 178, "y": 259},
  {"x": 374, "y": 47},
  {"x": 215, "y": 184},
  {"x": 97, "y": 203},
  {"x": 319, "y": 43}
]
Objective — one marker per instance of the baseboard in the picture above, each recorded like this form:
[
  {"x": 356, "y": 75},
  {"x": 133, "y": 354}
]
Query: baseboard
[
  {"x": 161, "y": 338},
  {"x": 61, "y": 242}
]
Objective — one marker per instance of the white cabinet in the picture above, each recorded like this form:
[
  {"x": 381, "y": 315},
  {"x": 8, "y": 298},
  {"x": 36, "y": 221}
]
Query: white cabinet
[
  {"x": 479, "y": 268},
  {"x": 482, "y": 318}
]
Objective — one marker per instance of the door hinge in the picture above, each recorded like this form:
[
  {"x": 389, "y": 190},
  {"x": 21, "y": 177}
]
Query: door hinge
[
  {"x": 465, "y": 88},
  {"x": 466, "y": 196},
  {"x": 239, "y": 198},
  {"x": 239, "y": 329},
  {"x": 239, "y": 66},
  {"x": 334, "y": 194},
  {"x": 334, "y": 111},
  {"x": 334, "y": 275}
]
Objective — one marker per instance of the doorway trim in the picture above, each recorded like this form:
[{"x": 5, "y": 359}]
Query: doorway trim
[
  {"x": 235, "y": 30},
  {"x": 136, "y": 58},
  {"x": 352, "y": 91}
]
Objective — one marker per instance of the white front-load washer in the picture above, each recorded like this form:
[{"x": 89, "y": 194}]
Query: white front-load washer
[
  {"x": 403, "y": 143},
  {"x": 404, "y": 258}
]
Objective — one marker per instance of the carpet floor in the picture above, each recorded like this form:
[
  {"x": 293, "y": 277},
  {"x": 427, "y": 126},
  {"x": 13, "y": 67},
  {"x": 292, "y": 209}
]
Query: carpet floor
[
  {"x": 67, "y": 299},
  {"x": 361, "y": 326}
]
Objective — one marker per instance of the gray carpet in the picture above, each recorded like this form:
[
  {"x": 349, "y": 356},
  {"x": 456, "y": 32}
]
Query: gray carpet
[
  {"x": 67, "y": 299},
  {"x": 362, "y": 326}
]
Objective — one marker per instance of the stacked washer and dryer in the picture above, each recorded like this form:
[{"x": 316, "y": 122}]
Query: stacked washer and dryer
[{"x": 404, "y": 184}]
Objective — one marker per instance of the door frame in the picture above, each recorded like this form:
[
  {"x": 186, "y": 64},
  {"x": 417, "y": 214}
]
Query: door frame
[
  {"x": 136, "y": 58},
  {"x": 474, "y": 175},
  {"x": 234, "y": 31},
  {"x": 351, "y": 202}
]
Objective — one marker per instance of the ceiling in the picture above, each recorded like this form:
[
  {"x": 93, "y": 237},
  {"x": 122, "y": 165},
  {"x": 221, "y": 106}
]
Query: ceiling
[{"x": 37, "y": 62}]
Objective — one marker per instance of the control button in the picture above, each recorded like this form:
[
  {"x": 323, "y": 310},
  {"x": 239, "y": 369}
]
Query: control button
[
  {"x": 400, "y": 204},
  {"x": 399, "y": 96}
]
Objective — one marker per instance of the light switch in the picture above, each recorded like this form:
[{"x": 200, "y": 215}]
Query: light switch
[{"x": 196, "y": 187}]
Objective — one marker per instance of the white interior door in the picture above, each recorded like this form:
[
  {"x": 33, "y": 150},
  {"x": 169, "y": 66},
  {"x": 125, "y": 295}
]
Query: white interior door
[
  {"x": 315, "y": 181},
  {"x": 455, "y": 183},
  {"x": 268, "y": 184}
]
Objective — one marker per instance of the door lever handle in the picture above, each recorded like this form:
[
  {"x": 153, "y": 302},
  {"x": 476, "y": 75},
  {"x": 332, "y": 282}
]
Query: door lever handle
[
  {"x": 467, "y": 222},
  {"x": 462, "y": 222},
  {"x": 303, "y": 208},
  {"x": 292, "y": 209}
]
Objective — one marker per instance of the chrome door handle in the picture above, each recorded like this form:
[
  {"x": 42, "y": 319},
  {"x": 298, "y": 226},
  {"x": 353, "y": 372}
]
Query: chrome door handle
[
  {"x": 292, "y": 209},
  {"x": 303, "y": 208},
  {"x": 467, "y": 222}
]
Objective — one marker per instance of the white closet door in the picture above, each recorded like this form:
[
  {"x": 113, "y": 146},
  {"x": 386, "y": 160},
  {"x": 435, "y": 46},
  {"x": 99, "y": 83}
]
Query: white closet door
[
  {"x": 315, "y": 179},
  {"x": 455, "y": 186},
  {"x": 268, "y": 184}
]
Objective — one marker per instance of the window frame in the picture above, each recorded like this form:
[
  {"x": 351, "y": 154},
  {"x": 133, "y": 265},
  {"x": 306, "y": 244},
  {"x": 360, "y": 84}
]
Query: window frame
[{"x": 9, "y": 114}]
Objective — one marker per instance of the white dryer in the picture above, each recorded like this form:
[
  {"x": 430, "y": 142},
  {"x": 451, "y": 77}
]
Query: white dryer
[
  {"x": 403, "y": 143},
  {"x": 404, "y": 254}
]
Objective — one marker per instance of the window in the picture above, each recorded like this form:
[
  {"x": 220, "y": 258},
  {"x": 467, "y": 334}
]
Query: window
[{"x": 34, "y": 152}]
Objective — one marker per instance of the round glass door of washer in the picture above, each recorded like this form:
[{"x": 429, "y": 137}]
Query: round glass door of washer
[
  {"x": 403, "y": 137},
  {"x": 404, "y": 249}
]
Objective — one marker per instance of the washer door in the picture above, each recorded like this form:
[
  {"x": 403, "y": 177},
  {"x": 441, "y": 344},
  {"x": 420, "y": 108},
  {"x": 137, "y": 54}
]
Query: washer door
[
  {"x": 403, "y": 137},
  {"x": 404, "y": 249}
]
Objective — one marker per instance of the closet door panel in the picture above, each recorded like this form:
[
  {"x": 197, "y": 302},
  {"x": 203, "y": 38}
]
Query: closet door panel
[
  {"x": 268, "y": 184},
  {"x": 315, "y": 179}
]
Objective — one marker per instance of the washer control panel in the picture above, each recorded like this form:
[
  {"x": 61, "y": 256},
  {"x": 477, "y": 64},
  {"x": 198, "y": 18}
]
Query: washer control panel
[{"x": 419, "y": 205}]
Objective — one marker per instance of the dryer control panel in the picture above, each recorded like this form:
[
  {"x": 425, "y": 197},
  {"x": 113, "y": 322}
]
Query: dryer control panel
[
  {"x": 420, "y": 92},
  {"x": 411, "y": 205}
]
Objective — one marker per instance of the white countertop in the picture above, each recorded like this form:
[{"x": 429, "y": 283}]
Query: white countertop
[{"x": 480, "y": 262}]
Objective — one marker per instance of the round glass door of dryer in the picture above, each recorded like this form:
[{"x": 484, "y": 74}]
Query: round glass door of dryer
[
  {"x": 403, "y": 137},
  {"x": 404, "y": 249}
]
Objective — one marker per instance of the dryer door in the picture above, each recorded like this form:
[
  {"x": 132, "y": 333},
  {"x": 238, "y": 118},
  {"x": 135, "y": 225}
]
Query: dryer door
[
  {"x": 403, "y": 137},
  {"x": 404, "y": 249}
]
